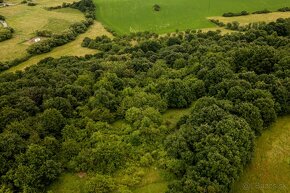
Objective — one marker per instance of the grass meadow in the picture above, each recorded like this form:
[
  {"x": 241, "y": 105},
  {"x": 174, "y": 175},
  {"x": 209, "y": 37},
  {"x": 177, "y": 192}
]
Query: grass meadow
[
  {"x": 126, "y": 16},
  {"x": 27, "y": 19},
  {"x": 73, "y": 48},
  {"x": 269, "y": 170}
]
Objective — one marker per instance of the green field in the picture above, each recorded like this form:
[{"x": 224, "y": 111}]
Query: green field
[
  {"x": 126, "y": 16},
  {"x": 269, "y": 171},
  {"x": 27, "y": 19},
  {"x": 73, "y": 48}
]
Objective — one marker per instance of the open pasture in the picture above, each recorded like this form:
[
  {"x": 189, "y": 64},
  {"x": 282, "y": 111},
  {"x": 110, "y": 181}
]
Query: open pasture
[
  {"x": 126, "y": 16},
  {"x": 269, "y": 169},
  {"x": 27, "y": 19}
]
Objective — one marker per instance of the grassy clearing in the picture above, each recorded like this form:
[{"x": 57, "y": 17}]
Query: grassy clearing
[
  {"x": 243, "y": 20},
  {"x": 152, "y": 182},
  {"x": 172, "y": 116},
  {"x": 269, "y": 171},
  {"x": 138, "y": 15},
  {"x": 73, "y": 48},
  {"x": 27, "y": 19},
  {"x": 69, "y": 183}
]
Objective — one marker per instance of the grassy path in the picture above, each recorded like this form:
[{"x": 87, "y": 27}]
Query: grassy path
[{"x": 269, "y": 171}]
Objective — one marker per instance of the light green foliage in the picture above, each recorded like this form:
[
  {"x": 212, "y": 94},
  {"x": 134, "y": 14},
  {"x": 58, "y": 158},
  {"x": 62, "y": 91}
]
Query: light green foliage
[{"x": 100, "y": 184}]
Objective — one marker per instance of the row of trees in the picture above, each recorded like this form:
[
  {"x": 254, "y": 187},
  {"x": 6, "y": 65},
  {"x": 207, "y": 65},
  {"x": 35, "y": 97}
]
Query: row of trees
[
  {"x": 264, "y": 11},
  {"x": 102, "y": 114}
]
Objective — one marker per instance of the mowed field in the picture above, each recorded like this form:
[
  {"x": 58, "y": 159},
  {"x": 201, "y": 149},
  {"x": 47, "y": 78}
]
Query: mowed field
[
  {"x": 269, "y": 171},
  {"x": 126, "y": 16},
  {"x": 27, "y": 19}
]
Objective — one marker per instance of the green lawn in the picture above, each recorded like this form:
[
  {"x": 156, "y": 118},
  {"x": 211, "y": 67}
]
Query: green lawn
[
  {"x": 269, "y": 171},
  {"x": 126, "y": 16}
]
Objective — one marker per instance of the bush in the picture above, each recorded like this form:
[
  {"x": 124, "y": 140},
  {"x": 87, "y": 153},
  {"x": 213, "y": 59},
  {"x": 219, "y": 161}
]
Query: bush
[
  {"x": 2, "y": 17},
  {"x": 5, "y": 33},
  {"x": 44, "y": 33},
  {"x": 262, "y": 11},
  {"x": 284, "y": 9},
  {"x": 217, "y": 22},
  {"x": 31, "y": 4},
  {"x": 230, "y": 14},
  {"x": 156, "y": 7}
]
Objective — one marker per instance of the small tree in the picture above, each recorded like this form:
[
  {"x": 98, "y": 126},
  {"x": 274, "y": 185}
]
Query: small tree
[{"x": 155, "y": 7}]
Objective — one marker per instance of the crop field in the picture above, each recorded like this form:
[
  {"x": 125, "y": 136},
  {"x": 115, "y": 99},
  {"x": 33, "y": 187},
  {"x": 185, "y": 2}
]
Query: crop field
[
  {"x": 270, "y": 167},
  {"x": 27, "y": 19},
  {"x": 138, "y": 15}
]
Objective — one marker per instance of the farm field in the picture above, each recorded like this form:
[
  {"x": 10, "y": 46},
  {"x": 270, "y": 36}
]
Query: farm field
[
  {"x": 73, "y": 48},
  {"x": 269, "y": 170},
  {"x": 137, "y": 15},
  {"x": 27, "y": 19}
]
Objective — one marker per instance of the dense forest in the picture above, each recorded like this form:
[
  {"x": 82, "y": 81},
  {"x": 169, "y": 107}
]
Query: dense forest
[{"x": 58, "y": 115}]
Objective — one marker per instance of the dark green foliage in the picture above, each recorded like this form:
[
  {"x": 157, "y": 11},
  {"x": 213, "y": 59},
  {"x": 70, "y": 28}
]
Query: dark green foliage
[
  {"x": 44, "y": 33},
  {"x": 284, "y": 9},
  {"x": 156, "y": 7},
  {"x": 102, "y": 113},
  {"x": 2, "y": 17},
  {"x": 217, "y": 22},
  {"x": 6, "y": 33},
  {"x": 230, "y": 14},
  {"x": 262, "y": 11}
]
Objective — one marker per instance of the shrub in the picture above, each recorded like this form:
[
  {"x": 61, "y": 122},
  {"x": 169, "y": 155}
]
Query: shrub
[
  {"x": 44, "y": 33},
  {"x": 230, "y": 14},
  {"x": 31, "y": 4},
  {"x": 2, "y": 17},
  {"x": 156, "y": 7},
  {"x": 217, "y": 22},
  {"x": 262, "y": 11},
  {"x": 284, "y": 9},
  {"x": 5, "y": 33}
]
